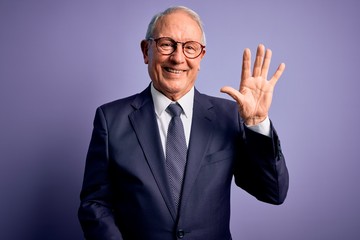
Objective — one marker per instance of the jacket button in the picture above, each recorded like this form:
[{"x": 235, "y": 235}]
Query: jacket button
[{"x": 180, "y": 233}]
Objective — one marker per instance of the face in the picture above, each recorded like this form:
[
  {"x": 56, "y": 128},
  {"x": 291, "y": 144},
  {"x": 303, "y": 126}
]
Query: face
[{"x": 173, "y": 75}]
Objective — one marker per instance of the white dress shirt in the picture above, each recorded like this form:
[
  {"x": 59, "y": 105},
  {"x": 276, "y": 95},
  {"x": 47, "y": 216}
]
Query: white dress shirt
[{"x": 161, "y": 102}]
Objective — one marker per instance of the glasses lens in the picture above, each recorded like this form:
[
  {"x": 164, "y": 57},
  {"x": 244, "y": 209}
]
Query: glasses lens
[
  {"x": 166, "y": 45},
  {"x": 192, "y": 49}
]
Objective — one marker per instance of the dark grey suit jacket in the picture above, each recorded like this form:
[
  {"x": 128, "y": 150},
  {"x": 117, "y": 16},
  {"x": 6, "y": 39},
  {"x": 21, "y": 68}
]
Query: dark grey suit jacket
[{"x": 125, "y": 193}]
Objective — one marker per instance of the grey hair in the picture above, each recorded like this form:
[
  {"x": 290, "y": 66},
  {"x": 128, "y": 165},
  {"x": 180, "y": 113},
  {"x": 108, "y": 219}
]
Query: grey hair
[{"x": 190, "y": 12}]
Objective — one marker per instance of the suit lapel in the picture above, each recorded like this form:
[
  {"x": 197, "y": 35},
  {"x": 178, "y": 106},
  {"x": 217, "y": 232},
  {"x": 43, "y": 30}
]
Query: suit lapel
[
  {"x": 201, "y": 132},
  {"x": 144, "y": 122}
]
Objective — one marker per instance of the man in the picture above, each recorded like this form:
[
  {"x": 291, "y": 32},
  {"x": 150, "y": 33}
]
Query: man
[{"x": 134, "y": 189}]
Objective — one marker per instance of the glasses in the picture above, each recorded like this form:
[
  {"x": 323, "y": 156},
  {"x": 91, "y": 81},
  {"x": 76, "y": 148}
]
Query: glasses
[{"x": 167, "y": 46}]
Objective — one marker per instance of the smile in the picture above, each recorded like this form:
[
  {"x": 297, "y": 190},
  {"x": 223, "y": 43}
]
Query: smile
[{"x": 171, "y": 70}]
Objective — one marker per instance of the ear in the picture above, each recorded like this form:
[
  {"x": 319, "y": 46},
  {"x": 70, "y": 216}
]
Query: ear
[
  {"x": 145, "y": 50},
  {"x": 203, "y": 53},
  {"x": 201, "y": 57}
]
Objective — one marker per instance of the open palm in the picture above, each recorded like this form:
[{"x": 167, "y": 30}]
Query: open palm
[{"x": 255, "y": 93}]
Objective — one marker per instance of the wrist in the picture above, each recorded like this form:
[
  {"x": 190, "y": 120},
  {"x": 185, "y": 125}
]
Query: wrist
[
  {"x": 254, "y": 121},
  {"x": 263, "y": 127}
]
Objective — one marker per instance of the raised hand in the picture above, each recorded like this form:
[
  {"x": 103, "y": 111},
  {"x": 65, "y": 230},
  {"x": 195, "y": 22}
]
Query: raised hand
[{"x": 255, "y": 93}]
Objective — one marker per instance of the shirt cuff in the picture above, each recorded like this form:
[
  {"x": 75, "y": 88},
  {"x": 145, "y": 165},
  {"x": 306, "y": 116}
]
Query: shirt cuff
[{"x": 262, "y": 128}]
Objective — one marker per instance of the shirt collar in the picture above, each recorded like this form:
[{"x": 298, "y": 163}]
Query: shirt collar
[{"x": 161, "y": 102}]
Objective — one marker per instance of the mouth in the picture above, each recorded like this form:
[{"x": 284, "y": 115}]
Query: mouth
[{"x": 172, "y": 70}]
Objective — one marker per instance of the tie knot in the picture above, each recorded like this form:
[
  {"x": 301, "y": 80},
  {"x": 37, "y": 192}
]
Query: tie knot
[{"x": 174, "y": 109}]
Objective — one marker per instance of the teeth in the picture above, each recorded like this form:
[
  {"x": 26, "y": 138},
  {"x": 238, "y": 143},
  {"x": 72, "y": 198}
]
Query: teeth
[{"x": 174, "y": 71}]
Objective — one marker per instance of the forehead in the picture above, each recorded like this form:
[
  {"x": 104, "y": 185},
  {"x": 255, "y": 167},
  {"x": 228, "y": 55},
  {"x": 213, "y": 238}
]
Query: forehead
[{"x": 178, "y": 25}]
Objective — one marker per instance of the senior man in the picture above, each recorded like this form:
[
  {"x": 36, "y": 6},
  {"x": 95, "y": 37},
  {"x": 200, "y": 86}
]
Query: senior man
[{"x": 160, "y": 163}]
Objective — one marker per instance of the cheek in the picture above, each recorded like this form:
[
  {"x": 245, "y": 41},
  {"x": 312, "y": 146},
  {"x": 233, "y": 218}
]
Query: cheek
[
  {"x": 155, "y": 70},
  {"x": 155, "y": 61},
  {"x": 195, "y": 67},
  {"x": 195, "y": 64}
]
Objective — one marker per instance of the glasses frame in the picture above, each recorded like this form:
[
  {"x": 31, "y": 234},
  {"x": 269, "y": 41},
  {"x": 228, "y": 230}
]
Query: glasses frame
[{"x": 156, "y": 40}]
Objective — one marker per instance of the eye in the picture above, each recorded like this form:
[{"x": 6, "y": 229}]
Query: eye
[
  {"x": 166, "y": 44},
  {"x": 191, "y": 47}
]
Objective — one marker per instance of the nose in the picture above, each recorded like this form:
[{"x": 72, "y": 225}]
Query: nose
[{"x": 178, "y": 56}]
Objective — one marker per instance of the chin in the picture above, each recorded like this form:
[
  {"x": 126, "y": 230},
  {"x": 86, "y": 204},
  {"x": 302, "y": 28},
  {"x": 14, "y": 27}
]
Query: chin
[{"x": 174, "y": 92}]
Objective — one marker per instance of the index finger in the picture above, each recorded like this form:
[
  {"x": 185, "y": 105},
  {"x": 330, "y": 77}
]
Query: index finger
[{"x": 277, "y": 74}]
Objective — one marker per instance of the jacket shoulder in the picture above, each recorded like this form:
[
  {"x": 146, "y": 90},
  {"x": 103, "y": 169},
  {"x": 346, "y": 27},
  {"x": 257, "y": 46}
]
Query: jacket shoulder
[
  {"x": 130, "y": 103},
  {"x": 118, "y": 104}
]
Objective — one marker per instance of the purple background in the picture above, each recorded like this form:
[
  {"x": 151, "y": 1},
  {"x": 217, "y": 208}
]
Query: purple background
[{"x": 59, "y": 60}]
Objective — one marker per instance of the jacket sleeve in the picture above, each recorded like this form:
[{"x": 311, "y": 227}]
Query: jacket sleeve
[
  {"x": 96, "y": 212},
  {"x": 260, "y": 168}
]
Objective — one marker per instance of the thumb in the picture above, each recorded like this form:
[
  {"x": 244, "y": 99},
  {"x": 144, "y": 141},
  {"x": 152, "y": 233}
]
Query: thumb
[{"x": 235, "y": 94}]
